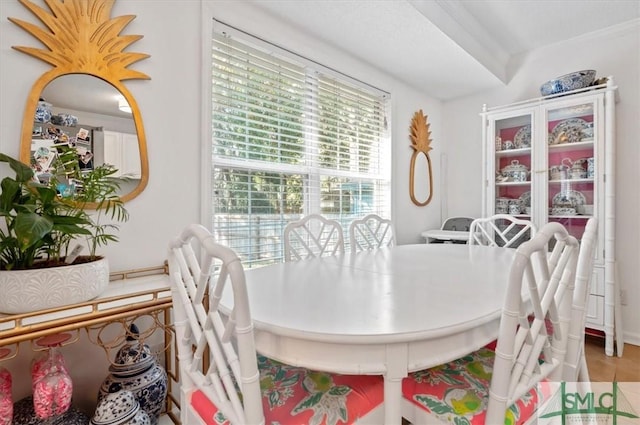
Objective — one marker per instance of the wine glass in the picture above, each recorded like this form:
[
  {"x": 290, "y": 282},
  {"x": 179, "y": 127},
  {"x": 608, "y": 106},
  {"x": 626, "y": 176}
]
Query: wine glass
[
  {"x": 51, "y": 383},
  {"x": 6, "y": 400}
]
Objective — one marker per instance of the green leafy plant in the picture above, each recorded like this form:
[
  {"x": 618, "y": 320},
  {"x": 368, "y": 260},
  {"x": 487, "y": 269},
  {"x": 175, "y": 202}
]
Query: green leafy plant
[{"x": 42, "y": 219}]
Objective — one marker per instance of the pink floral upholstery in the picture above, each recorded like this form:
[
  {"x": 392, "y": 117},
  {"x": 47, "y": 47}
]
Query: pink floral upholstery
[
  {"x": 458, "y": 392},
  {"x": 293, "y": 395}
]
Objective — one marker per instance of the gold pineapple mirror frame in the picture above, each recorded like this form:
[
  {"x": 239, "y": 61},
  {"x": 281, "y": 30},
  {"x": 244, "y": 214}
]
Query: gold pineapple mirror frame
[
  {"x": 421, "y": 143},
  {"x": 81, "y": 38}
]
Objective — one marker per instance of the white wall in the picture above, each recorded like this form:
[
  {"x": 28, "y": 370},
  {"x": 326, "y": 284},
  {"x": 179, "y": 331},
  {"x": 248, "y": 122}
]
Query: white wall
[
  {"x": 612, "y": 53},
  {"x": 171, "y": 104}
]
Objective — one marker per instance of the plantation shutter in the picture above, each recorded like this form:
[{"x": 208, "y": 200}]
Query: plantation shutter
[{"x": 290, "y": 140}]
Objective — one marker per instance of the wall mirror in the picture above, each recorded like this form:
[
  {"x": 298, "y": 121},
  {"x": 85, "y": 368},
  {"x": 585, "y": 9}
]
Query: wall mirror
[
  {"x": 83, "y": 96},
  {"x": 420, "y": 135}
]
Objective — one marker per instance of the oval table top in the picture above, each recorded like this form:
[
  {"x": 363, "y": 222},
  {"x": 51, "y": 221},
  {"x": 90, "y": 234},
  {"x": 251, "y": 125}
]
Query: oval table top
[{"x": 389, "y": 294}]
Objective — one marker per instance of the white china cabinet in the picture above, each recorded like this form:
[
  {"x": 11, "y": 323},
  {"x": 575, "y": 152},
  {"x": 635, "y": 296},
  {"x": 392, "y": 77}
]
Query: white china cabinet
[{"x": 553, "y": 159}]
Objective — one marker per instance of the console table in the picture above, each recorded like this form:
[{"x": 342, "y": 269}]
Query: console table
[{"x": 129, "y": 295}]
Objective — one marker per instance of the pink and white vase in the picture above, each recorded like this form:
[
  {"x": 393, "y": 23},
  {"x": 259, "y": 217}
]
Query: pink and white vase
[
  {"x": 6, "y": 400},
  {"x": 51, "y": 383}
]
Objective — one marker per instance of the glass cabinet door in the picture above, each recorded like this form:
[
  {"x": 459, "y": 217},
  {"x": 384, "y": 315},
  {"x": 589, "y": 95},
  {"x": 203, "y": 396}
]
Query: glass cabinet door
[
  {"x": 513, "y": 149},
  {"x": 572, "y": 182}
]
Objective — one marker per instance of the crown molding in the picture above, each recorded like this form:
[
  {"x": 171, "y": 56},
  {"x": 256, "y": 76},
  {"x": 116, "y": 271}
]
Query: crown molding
[{"x": 614, "y": 31}]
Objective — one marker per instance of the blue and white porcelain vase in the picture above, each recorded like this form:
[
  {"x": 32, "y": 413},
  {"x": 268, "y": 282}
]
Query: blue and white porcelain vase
[
  {"x": 135, "y": 369},
  {"x": 43, "y": 112}
]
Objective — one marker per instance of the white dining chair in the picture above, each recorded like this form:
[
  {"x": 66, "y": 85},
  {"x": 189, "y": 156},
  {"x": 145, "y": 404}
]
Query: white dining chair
[
  {"x": 506, "y": 385},
  {"x": 222, "y": 379},
  {"x": 312, "y": 236},
  {"x": 500, "y": 230},
  {"x": 575, "y": 365},
  {"x": 370, "y": 232}
]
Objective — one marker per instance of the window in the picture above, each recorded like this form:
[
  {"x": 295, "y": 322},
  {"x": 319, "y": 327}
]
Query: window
[{"x": 290, "y": 138}]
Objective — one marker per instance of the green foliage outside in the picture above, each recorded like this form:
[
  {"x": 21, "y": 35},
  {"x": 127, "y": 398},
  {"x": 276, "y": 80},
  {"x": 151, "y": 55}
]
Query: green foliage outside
[
  {"x": 271, "y": 129},
  {"x": 287, "y": 141}
]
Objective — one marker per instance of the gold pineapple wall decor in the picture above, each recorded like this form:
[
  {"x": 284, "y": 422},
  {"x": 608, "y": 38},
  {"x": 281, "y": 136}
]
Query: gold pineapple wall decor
[
  {"x": 421, "y": 143},
  {"x": 80, "y": 37}
]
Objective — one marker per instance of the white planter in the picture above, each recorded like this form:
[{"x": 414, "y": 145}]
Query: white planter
[{"x": 24, "y": 291}]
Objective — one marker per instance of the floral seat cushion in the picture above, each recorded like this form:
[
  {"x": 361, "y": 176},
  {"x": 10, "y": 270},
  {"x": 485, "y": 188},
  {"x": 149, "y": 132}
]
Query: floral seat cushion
[
  {"x": 458, "y": 392},
  {"x": 293, "y": 395}
]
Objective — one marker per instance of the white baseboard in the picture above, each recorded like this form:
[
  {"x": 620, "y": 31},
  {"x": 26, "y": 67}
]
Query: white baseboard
[{"x": 631, "y": 338}]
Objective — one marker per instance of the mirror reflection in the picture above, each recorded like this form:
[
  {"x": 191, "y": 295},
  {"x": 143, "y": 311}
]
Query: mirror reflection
[{"x": 93, "y": 116}]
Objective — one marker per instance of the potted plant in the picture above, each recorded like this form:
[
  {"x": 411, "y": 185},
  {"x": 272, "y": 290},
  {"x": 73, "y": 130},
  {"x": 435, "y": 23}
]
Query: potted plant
[{"x": 40, "y": 265}]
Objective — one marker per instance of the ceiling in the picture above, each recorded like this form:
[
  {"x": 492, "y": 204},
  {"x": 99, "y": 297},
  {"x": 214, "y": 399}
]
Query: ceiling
[
  {"x": 439, "y": 44},
  {"x": 433, "y": 44},
  {"x": 80, "y": 92}
]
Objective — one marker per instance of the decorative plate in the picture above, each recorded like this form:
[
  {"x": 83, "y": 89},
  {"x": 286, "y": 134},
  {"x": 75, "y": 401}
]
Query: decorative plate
[
  {"x": 568, "y": 131},
  {"x": 567, "y": 198},
  {"x": 525, "y": 199},
  {"x": 522, "y": 139}
]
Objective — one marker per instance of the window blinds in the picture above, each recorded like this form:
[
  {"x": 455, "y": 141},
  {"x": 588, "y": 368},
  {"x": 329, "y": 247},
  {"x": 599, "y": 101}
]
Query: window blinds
[{"x": 290, "y": 140}]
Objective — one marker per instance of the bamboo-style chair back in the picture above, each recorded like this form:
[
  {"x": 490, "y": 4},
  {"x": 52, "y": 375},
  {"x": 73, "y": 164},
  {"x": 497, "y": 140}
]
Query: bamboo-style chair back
[
  {"x": 370, "y": 232},
  {"x": 312, "y": 236},
  {"x": 534, "y": 326},
  {"x": 575, "y": 365},
  {"x": 231, "y": 379},
  {"x": 500, "y": 230}
]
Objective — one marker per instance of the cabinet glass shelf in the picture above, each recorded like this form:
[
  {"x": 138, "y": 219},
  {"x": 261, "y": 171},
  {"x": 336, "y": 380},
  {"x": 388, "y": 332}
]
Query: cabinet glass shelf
[
  {"x": 569, "y": 181},
  {"x": 568, "y": 147},
  {"x": 513, "y": 152},
  {"x": 528, "y": 183}
]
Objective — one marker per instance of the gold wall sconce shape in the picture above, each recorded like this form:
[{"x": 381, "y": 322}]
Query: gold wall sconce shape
[{"x": 421, "y": 143}]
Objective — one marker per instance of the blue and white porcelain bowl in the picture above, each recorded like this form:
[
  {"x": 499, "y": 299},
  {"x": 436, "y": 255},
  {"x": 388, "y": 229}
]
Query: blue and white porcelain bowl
[
  {"x": 516, "y": 172},
  {"x": 69, "y": 120},
  {"x": 568, "y": 82},
  {"x": 141, "y": 418},
  {"x": 116, "y": 408},
  {"x": 120, "y": 408}
]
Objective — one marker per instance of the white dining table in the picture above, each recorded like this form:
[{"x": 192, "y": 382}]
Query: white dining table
[{"x": 388, "y": 311}]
